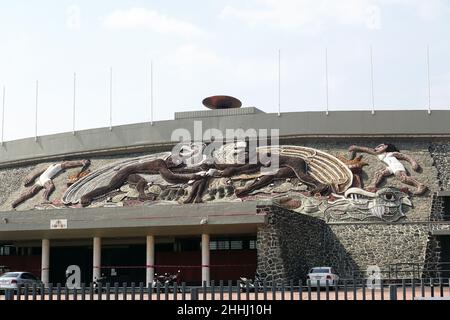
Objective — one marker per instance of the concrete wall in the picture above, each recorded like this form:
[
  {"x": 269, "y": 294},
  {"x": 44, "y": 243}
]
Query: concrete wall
[{"x": 143, "y": 136}]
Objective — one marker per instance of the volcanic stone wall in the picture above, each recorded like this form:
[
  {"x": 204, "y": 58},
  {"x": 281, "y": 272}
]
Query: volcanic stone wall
[
  {"x": 440, "y": 151},
  {"x": 289, "y": 245}
]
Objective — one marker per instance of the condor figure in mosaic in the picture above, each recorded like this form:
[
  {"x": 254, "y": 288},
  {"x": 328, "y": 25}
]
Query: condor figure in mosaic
[{"x": 318, "y": 171}]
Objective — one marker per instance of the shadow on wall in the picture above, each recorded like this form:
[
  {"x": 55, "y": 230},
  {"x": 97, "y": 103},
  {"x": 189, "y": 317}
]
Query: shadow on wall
[{"x": 290, "y": 244}]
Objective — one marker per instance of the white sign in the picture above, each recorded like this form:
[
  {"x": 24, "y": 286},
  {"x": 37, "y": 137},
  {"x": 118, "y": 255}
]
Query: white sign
[{"x": 58, "y": 224}]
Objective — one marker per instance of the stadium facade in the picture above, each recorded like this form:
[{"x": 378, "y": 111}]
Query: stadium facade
[{"x": 352, "y": 190}]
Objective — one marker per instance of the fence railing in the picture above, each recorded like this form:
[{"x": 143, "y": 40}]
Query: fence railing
[{"x": 226, "y": 290}]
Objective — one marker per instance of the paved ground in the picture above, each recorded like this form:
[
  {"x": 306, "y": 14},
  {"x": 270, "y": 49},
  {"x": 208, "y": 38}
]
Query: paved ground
[{"x": 407, "y": 294}]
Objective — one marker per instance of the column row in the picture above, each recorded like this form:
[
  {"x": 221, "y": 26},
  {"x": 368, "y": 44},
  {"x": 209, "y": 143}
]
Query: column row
[{"x": 150, "y": 259}]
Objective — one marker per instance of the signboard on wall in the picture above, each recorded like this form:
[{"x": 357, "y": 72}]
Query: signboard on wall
[{"x": 58, "y": 224}]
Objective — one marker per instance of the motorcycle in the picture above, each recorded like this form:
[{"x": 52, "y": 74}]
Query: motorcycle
[
  {"x": 166, "y": 279},
  {"x": 97, "y": 281},
  {"x": 250, "y": 285}
]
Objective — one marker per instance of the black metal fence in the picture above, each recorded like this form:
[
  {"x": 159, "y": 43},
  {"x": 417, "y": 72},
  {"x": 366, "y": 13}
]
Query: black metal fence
[{"x": 405, "y": 289}]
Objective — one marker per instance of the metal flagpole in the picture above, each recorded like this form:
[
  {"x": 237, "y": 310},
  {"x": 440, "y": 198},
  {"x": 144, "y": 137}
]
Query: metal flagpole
[
  {"x": 36, "y": 112},
  {"x": 429, "y": 82},
  {"x": 110, "y": 98},
  {"x": 326, "y": 76},
  {"x": 3, "y": 112},
  {"x": 371, "y": 80},
  {"x": 151, "y": 92},
  {"x": 74, "y": 91},
  {"x": 279, "y": 82}
]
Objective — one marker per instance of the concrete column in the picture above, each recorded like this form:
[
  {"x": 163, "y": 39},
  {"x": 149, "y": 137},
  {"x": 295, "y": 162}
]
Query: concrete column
[
  {"x": 205, "y": 258},
  {"x": 97, "y": 258},
  {"x": 45, "y": 262},
  {"x": 150, "y": 259}
]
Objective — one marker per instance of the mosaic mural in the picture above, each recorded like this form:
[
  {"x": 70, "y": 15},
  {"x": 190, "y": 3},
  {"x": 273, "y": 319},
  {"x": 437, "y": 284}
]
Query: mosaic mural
[{"x": 306, "y": 180}]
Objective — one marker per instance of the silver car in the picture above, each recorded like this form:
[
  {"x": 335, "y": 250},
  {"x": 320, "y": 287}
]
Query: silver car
[
  {"x": 319, "y": 276},
  {"x": 18, "y": 280}
]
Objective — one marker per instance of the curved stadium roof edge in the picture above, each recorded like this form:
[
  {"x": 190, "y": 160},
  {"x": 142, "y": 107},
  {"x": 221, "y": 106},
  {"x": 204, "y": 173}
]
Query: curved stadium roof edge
[{"x": 141, "y": 136}]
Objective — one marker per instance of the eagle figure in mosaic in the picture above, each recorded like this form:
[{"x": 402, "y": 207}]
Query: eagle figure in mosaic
[
  {"x": 305, "y": 180},
  {"x": 386, "y": 204}
]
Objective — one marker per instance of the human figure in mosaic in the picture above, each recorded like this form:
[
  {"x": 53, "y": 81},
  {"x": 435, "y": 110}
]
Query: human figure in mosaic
[
  {"x": 131, "y": 173},
  {"x": 356, "y": 166},
  {"x": 42, "y": 179},
  {"x": 390, "y": 155}
]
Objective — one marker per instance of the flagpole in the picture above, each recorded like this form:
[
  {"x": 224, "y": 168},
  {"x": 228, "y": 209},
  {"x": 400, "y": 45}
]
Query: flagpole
[
  {"x": 326, "y": 77},
  {"x": 429, "y": 82},
  {"x": 279, "y": 82},
  {"x": 3, "y": 112},
  {"x": 74, "y": 95},
  {"x": 151, "y": 92},
  {"x": 110, "y": 97},
  {"x": 36, "y": 113},
  {"x": 371, "y": 80}
]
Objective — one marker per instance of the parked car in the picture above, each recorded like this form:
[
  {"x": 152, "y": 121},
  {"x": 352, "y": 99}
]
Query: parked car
[
  {"x": 320, "y": 276},
  {"x": 18, "y": 280}
]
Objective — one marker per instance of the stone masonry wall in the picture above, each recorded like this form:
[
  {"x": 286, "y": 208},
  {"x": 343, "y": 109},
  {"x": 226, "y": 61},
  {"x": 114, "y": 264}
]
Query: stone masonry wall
[
  {"x": 291, "y": 243},
  {"x": 389, "y": 246},
  {"x": 288, "y": 245},
  {"x": 440, "y": 151}
]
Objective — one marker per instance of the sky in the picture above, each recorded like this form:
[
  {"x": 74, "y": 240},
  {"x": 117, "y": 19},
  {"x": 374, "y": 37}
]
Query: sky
[{"x": 204, "y": 48}]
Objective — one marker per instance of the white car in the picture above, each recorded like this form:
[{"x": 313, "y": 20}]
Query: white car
[
  {"x": 319, "y": 276},
  {"x": 17, "y": 280}
]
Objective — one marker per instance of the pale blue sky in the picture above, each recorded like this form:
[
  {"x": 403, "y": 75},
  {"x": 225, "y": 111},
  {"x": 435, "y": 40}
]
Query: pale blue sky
[{"x": 201, "y": 48}]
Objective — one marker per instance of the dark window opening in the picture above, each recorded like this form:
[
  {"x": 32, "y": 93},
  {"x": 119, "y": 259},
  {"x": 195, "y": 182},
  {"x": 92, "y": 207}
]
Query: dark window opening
[
  {"x": 232, "y": 244},
  {"x": 188, "y": 244},
  {"x": 446, "y": 214},
  {"x": 164, "y": 247},
  {"x": 8, "y": 250}
]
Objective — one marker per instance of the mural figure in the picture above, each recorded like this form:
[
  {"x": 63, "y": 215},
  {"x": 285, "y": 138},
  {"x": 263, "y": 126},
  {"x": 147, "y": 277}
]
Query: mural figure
[
  {"x": 356, "y": 166},
  {"x": 131, "y": 173},
  {"x": 390, "y": 155},
  {"x": 174, "y": 171},
  {"x": 387, "y": 204},
  {"x": 71, "y": 179},
  {"x": 357, "y": 204},
  {"x": 169, "y": 173},
  {"x": 42, "y": 179},
  {"x": 289, "y": 167}
]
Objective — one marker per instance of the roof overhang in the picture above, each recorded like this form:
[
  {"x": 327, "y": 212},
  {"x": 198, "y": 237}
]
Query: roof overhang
[{"x": 158, "y": 219}]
